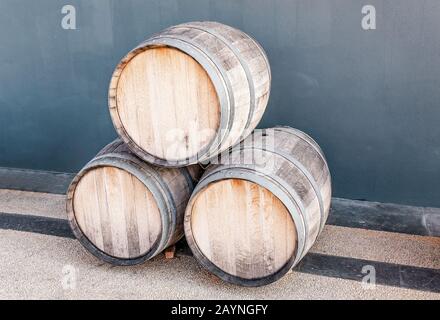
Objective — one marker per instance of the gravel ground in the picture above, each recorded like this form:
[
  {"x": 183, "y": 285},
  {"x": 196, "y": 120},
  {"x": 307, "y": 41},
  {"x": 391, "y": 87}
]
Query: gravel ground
[{"x": 34, "y": 266}]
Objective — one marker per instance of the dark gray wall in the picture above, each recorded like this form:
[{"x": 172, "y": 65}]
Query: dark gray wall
[{"x": 370, "y": 98}]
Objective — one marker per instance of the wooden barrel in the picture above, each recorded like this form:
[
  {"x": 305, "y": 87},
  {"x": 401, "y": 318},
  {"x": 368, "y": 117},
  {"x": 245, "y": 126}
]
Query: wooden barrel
[
  {"x": 257, "y": 212},
  {"x": 125, "y": 211},
  {"x": 189, "y": 92}
]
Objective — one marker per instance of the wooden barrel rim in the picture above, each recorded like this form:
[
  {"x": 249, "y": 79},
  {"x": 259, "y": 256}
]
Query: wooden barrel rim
[
  {"x": 281, "y": 195},
  {"x": 199, "y": 25},
  {"x": 205, "y": 262},
  {"x": 303, "y": 170},
  {"x": 243, "y": 64},
  {"x": 285, "y": 193},
  {"x": 220, "y": 83},
  {"x": 262, "y": 52},
  {"x": 83, "y": 238},
  {"x": 256, "y": 43},
  {"x": 159, "y": 189},
  {"x": 90, "y": 246},
  {"x": 228, "y": 217},
  {"x": 206, "y": 61}
]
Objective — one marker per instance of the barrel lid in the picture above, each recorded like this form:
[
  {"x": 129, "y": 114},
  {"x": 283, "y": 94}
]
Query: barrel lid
[
  {"x": 243, "y": 229},
  {"x": 116, "y": 213},
  {"x": 167, "y": 103}
]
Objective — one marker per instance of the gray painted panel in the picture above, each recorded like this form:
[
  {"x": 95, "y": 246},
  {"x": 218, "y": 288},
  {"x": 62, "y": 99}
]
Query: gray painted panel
[{"x": 370, "y": 98}]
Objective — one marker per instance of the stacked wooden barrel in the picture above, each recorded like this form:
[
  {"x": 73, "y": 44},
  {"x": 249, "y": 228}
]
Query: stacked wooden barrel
[
  {"x": 126, "y": 211},
  {"x": 194, "y": 93},
  {"x": 258, "y": 211},
  {"x": 189, "y": 92}
]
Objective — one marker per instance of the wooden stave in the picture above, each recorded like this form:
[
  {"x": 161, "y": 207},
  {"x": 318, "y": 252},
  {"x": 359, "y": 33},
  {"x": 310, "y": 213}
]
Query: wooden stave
[
  {"x": 207, "y": 27},
  {"x": 319, "y": 181},
  {"x": 308, "y": 205},
  {"x": 247, "y": 172},
  {"x": 117, "y": 154},
  {"x": 226, "y": 96},
  {"x": 304, "y": 136},
  {"x": 221, "y": 32},
  {"x": 301, "y": 155},
  {"x": 281, "y": 190},
  {"x": 257, "y": 110},
  {"x": 321, "y": 186},
  {"x": 221, "y": 83},
  {"x": 324, "y": 185}
]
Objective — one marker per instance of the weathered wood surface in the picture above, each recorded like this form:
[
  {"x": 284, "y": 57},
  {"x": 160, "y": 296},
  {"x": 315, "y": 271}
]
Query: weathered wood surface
[
  {"x": 117, "y": 212},
  {"x": 243, "y": 228},
  {"x": 189, "y": 92},
  {"x": 165, "y": 95},
  {"x": 170, "y": 252},
  {"x": 289, "y": 166},
  {"x": 125, "y": 211}
]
